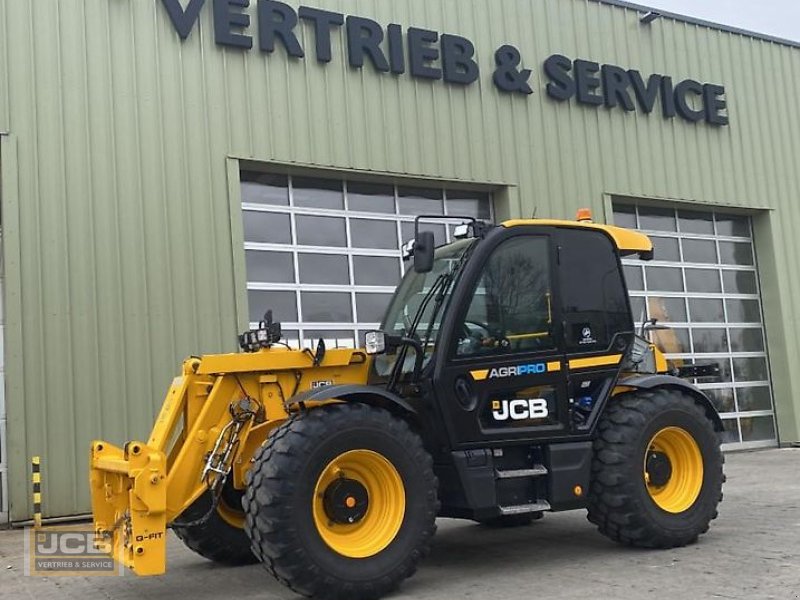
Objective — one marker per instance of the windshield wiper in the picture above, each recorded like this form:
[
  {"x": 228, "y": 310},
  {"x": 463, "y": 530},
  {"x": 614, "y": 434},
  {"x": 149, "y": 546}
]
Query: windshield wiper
[
  {"x": 439, "y": 290},
  {"x": 445, "y": 286},
  {"x": 410, "y": 334}
]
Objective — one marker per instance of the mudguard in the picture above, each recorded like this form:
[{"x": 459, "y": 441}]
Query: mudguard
[
  {"x": 649, "y": 382},
  {"x": 365, "y": 394}
]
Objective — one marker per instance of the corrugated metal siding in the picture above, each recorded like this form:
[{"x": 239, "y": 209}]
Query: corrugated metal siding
[{"x": 122, "y": 134}]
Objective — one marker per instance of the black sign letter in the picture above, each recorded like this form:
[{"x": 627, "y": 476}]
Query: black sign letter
[
  {"x": 276, "y": 19},
  {"x": 227, "y": 19},
  {"x": 561, "y": 86},
  {"x": 685, "y": 108},
  {"x": 323, "y": 21},
  {"x": 421, "y": 53},
  {"x": 615, "y": 87},
  {"x": 588, "y": 81},
  {"x": 458, "y": 63},
  {"x": 397, "y": 57},
  {"x": 183, "y": 20},
  {"x": 645, "y": 95},
  {"x": 667, "y": 97},
  {"x": 364, "y": 37},
  {"x": 714, "y": 97}
]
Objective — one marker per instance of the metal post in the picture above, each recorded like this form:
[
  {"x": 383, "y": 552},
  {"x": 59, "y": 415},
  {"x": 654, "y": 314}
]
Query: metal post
[{"x": 36, "y": 478}]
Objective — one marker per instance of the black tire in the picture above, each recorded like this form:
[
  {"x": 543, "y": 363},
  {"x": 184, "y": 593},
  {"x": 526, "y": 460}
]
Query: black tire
[
  {"x": 215, "y": 539},
  {"x": 509, "y": 521},
  {"x": 619, "y": 502},
  {"x": 280, "y": 496}
]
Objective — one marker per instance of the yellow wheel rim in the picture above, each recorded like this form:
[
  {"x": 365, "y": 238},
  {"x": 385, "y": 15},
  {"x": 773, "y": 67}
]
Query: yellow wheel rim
[
  {"x": 234, "y": 518},
  {"x": 676, "y": 487},
  {"x": 378, "y": 526}
]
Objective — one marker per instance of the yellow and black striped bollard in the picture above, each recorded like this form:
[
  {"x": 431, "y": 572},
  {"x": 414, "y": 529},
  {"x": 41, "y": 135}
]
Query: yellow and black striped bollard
[{"x": 36, "y": 477}]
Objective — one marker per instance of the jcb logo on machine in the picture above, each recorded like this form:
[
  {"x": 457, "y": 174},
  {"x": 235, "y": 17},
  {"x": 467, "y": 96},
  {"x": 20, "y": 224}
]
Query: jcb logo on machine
[
  {"x": 319, "y": 384},
  {"x": 520, "y": 410}
]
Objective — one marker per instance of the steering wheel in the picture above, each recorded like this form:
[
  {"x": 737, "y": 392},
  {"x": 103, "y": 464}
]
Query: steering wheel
[
  {"x": 473, "y": 340},
  {"x": 479, "y": 325}
]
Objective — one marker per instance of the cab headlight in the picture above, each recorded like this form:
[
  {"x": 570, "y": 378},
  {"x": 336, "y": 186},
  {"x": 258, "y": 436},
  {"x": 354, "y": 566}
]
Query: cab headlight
[{"x": 375, "y": 342}]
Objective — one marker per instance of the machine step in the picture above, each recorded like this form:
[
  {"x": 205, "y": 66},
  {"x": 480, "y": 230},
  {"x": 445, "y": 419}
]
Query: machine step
[
  {"x": 535, "y": 471},
  {"x": 521, "y": 509}
]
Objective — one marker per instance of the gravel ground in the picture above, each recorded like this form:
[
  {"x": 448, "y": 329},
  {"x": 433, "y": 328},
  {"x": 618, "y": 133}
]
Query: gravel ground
[{"x": 752, "y": 551}]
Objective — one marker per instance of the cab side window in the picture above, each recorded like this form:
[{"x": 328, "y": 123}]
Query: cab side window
[
  {"x": 593, "y": 294},
  {"x": 511, "y": 307}
]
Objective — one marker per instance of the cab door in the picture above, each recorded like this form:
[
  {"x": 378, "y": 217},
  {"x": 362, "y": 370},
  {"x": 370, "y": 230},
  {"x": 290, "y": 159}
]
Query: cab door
[
  {"x": 598, "y": 326},
  {"x": 503, "y": 377}
]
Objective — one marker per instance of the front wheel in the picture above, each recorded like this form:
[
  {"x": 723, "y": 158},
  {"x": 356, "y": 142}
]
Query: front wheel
[
  {"x": 341, "y": 502},
  {"x": 657, "y": 470}
]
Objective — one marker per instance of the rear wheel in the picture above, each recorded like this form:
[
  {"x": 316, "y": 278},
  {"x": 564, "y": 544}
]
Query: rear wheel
[
  {"x": 341, "y": 502},
  {"x": 219, "y": 537},
  {"x": 657, "y": 470}
]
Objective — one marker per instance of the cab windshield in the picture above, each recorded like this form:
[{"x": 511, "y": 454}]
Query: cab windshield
[{"x": 409, "y": 298}]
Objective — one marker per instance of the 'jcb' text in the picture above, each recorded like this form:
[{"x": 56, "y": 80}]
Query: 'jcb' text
[{"x": 520, "y": 410}]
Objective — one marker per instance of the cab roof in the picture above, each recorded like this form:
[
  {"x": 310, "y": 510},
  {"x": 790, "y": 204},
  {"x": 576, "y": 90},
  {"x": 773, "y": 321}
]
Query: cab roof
[{"x": 626, "y": 240}]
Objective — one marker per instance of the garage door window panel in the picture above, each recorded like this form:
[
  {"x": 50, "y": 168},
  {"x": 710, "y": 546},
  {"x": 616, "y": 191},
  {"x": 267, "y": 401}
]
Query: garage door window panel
[
  {"x": 321, "y": 231},
  {"x": 755, "y": 398},
  {"x": 722, "y": 399},
  {"x": 667, "y": 310},
  {"x": 743, "y": 311},
  {"x": 370, "y": 197},
  {"x": 696, "y": 222},
  {"x": 664, "y": 279},
  {"x": 373, "y": 233},
  {"x": 372, "y": 307},
  {"x": 326, "y": 307},
  {"x": 739, "y": 282},
  {"x": 417, "y": 201},
  {"x": 324, "y": 269},
  {"x": 736, "y": 253},
  {"x": 376, "y": 271},
  {"x": 265, "y": 188},
  {"x": 267, "y": 227},
  {"x": 657, "y": 219},
  {"x": 269, "y": 267},
  {"x": 318, "y": 193},
  {"x": 710, "y": 341},
  {"x": 282, "y": 304},
  {"x": 703, "y": 281},
  {"x": 699, "y": 251},
  {"x": 666, "y": 249},
  {"x": 755, "y": 429},
  {"x": 747, "y": 340}
]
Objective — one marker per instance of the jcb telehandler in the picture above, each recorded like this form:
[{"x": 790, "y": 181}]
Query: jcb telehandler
[{"x": 507, "y": 380}]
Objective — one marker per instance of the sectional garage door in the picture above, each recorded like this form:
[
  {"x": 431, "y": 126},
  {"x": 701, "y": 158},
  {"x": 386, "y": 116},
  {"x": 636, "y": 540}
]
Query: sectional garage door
[
  {"x": 324, "y": 254},
  {"x": 704, "y": 284}
]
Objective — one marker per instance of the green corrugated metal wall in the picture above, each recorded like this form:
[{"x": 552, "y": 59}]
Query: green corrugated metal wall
[{"x": 116, "y": 214}]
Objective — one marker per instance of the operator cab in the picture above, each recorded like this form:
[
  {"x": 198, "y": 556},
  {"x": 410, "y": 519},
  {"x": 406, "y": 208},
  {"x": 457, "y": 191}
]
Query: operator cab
[{"x": 517, "y": 332}]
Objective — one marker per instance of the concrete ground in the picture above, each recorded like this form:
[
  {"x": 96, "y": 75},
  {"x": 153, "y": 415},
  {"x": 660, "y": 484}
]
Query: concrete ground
[{"x": 752, "y": 551}]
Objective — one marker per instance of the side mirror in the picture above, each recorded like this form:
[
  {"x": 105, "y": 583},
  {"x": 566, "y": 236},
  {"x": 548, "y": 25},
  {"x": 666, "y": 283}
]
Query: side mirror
[{"x": 424, "y": 247}]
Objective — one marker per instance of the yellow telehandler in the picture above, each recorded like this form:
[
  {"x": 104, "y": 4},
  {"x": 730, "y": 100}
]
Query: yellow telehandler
[{"x": 507, "y": 380}]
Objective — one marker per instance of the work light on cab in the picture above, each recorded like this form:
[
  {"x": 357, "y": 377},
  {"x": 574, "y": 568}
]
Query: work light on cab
[{"x": 375, "y": 342}]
